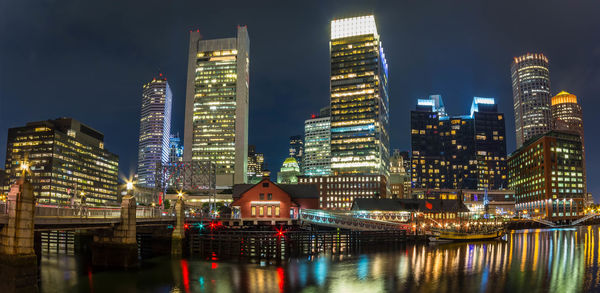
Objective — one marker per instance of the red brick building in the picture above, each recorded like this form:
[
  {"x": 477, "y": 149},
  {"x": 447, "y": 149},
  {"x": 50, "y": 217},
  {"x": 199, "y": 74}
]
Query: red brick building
[{"x": 268, "y": 200}]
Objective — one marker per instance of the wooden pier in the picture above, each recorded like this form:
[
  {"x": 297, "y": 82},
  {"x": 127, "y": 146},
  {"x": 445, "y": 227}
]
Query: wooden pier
[{"x": 279, "y": 245}]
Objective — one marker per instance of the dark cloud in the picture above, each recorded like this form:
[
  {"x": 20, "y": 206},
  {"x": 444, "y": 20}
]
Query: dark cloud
[{"x": 88, "y": 60}]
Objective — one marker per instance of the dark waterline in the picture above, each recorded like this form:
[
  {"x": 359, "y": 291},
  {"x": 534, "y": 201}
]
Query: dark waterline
[{"x": 544, "y": 260}]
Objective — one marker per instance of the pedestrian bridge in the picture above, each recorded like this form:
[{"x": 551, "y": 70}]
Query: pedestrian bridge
[
  {"x": 48, "y": 217},
  {"x": 345, "y": 220}
]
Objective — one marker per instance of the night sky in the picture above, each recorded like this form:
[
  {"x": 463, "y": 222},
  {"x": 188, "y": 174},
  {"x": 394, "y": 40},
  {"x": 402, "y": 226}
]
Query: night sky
[{"x": 89, "y": 59}]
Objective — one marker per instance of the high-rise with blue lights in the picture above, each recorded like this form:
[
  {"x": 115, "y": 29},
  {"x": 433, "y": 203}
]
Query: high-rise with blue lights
[
  {"x": 155, "y": 128},
  {"x": 458, "y": 152},
  {"x": 359, "y": 98}
]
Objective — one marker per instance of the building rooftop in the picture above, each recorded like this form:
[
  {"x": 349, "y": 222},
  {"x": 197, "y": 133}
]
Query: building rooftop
[{"x": 294, "y": 190}]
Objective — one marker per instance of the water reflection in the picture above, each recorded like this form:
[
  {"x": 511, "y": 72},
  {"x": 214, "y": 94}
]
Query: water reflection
[{"x": 556, "y": 260}]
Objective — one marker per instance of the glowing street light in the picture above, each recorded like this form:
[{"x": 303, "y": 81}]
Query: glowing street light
[{"x": 129, "y": 185}]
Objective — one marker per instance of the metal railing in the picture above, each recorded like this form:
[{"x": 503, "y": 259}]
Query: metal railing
[
  {"x": 583, "y": 219},
  {"x": 346, "y": 221},
  {"x": 77, "y": 212}
]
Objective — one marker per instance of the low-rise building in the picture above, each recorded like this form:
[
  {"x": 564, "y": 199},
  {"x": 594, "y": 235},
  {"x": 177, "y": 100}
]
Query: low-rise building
[
  {"x": 499, "y": 202},
  {"x": 267, "y": 200}
]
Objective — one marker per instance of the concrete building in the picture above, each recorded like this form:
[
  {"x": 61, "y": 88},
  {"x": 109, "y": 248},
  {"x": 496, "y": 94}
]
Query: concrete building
[
  {"x": 531, "y": 96},
  {"x": 66, "y": 160},
  {"x": 337, "y": 192},
  {"x": 547, "y": 176},
  {"x": 359, "y": 99},
  {"x": 289, "y": 172},
  {"x": 317, "y": 148},
  {"x": 155, "y": 128},
  {"x": 216, "y": 111},
  {"x": 458, "y": 152}
]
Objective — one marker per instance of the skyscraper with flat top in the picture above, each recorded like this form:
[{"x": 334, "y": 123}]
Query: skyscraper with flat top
[
  {"x": 155, "y": 128},
  {"x": 216, "y": 111},
  {"x": 531, "y": 96},
  {"x": 359, "y": 98}
]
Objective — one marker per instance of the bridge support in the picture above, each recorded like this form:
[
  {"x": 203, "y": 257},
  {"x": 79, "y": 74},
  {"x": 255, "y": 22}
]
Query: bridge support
[
  {"x": 18, "y": 262},
  {"x": 178, "y": 236},
  {"x": 119, "y": 249}
]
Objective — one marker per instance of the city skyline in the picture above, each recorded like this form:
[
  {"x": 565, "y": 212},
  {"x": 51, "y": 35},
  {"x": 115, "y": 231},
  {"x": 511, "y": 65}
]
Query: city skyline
[{"x": 274, "y": 154}]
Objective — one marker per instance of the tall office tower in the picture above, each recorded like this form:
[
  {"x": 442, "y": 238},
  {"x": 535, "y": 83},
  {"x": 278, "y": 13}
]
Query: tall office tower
[
  {"x": 567, "y": 116},
  {"x": 216, "y": 111},
  {"x": 359, "y": 98},
  {"x": 67, "y": 160},
  {"x": 531, "y": 96},
  {"x": 429, "y": 165},
  {"x": 155, "y": 128},
  {"x": 458, "y": 152},
  {"x": 547, "y": 176},
  {"x": 255, "y": 165},
  {"x": 490, "y": 144},
  {"x": 317, "y": 148},
  {"x": 296, "y": 149},
  {"x": 175, "y": 149}
]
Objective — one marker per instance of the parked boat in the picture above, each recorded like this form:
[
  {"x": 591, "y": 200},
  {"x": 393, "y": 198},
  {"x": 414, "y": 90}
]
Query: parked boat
[{"x": 447, "y": 235}]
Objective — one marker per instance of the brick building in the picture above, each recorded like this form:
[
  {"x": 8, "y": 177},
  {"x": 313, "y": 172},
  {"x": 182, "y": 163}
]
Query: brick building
[{"x": 268, "y": 200}]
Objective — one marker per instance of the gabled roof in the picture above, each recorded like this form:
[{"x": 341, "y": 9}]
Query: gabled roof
[
  {"x": 413, "y": 205},
  {"x": 293, "y": 190}
]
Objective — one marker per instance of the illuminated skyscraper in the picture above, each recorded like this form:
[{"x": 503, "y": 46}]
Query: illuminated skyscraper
[
  {"x": 458, "y": 152},
  {"x": 255, "y": 165},
  {"x": 359, "y": 98},
  {"x": 66, "y": 159},
  {"x": 216, "y": 112},
  {"x": 531, "y": 96},
  {"x": 567, "y": 116},
  {"x": 317, "y": 148},
  {"x": 155, "y": 128}
]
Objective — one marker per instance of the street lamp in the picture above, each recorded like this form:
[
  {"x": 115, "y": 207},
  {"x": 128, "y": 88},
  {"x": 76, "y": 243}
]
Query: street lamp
[
  {"x": 129, "y": 186},
  {"x": 24, "y": 168}
]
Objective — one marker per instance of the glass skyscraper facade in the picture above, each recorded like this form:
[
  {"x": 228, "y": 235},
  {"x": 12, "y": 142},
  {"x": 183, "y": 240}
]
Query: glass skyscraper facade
[
  {"x": 155, "y": 129},
  {"x": 317, "y": 147},
  {"x": 531, "y": 96},
  {"x": 67, "y": 160},
  {"x": 216, "y": 118},
  {"x": 359, "y": 98},
  {"x": 458, "y": 152}
]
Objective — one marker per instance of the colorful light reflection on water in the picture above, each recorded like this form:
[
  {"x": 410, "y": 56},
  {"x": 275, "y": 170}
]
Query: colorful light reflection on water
[{"x": 556, "y": 260}]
